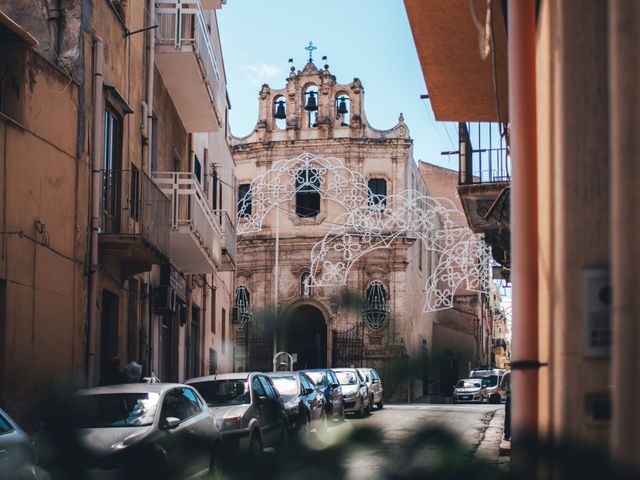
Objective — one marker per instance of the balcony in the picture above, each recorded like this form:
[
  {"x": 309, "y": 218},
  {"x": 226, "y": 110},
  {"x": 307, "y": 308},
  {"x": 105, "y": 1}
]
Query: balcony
[
  {"x": 195, "y": 233},
  {"x": 484, "y": 181},
  {"x": 229, "y": 241},
  {"x": 135, "y": 221},
  {"x": 186, "y": 61}
]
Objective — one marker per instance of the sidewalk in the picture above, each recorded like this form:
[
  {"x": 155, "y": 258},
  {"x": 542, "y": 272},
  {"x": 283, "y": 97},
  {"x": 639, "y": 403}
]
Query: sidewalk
[{"x": 492, "y": 448}]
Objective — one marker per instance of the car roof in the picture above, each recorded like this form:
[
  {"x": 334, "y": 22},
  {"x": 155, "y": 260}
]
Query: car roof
[
  {"x": 344, "y": 369},
  {"x": 221, "y": 376},
  {"x": 130, "y": 388},
  {"x": 283, "y": 374},
  {"x": 472, "y": 378}
]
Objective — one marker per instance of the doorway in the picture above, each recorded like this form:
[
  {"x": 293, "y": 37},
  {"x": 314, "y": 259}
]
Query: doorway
[
  {"x": 306, "y": 336},
  {"x": 110, "y": 367}
]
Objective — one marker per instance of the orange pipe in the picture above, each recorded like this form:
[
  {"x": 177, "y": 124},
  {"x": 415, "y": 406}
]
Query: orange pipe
[{"x": 524, "y": 217}]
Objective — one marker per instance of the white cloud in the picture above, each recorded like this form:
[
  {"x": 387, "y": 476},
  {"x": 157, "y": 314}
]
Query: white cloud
[{"x": 260, "y": 73}]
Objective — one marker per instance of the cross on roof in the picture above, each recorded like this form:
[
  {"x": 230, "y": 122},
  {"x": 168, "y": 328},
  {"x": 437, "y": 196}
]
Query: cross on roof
[{"x": 310, "y": 48}]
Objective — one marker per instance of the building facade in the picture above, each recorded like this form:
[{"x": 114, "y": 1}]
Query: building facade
[
  {"x": 117, "y": 235},
  {"x": 306, "y": 130}
]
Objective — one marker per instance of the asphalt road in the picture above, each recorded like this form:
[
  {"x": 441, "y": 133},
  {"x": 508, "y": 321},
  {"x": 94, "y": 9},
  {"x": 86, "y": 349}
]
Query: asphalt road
[{"x": 469, "y": 424}]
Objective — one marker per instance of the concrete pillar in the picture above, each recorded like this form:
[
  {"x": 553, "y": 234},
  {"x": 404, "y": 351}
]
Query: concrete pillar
[{"x": 624, "y": 108}]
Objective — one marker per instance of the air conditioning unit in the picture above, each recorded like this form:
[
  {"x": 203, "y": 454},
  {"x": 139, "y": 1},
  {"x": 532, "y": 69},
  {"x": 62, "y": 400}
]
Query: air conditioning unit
[{"x": 166, "y": 300}]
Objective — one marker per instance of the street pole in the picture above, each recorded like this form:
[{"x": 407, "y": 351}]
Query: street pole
[{"x": 276, "y": 274}]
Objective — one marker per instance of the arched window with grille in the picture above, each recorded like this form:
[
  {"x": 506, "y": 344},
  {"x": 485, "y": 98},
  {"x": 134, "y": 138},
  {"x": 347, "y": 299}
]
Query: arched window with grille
[
  {"x": 375, "y": 311},
  {"x": 241, "y": 314}
]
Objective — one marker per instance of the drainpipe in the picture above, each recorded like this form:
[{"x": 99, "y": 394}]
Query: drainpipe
[
  {"x": 203, "y": 330},
  {"x": 96, "y": 150},
  {"x": 53, "y": 16},
  {"x": 524, "y": 221}
]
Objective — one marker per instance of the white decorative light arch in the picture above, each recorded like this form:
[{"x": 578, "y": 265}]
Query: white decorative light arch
[
  {"x": 463, "y": 257},
  {"x": 364, "y": 226}
]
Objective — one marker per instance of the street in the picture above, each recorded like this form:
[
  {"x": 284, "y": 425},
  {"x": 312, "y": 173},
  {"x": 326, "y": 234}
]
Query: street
[{"x": 474, "y": 435}]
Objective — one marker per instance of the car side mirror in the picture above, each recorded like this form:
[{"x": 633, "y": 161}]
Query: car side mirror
[
  {"x": 170, "y": 423},
  {"x": 262, "y": 398},
  {"x": 308, "y": 391},
  {"x": 334, "y": 385}
]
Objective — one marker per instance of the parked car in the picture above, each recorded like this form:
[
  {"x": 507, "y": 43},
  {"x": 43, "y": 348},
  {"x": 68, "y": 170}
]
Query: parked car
[
  {"x": 486, "y": 371},
  {"x": 249, "y": 410},
  {"x": 491, "y": 389},
  {"x": 303, "y": 402},
  {"x": 374, "y": 384},
  {"x": 467, "y": 390},
  {"x": 355, "y": 393},
  {"x": 18, "y": 454},
  {"x": 141, "y": 430},
  {"x": 327, "y": 381}
]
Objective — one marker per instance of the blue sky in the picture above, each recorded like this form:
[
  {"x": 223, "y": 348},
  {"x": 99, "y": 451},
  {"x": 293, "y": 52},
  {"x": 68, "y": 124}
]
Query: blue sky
[{"x": 370, "y": 40}]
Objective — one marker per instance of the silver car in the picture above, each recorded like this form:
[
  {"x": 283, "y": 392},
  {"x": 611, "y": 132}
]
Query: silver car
[
  {"x": 354, "y": 391},
  {"x": 18, "y": 454},
  {"x": 248, "y": 408},
  {"x": 141, "y": 430},
  {"x": 468, "y": 390},
  {"x": 374, "y": 384}
]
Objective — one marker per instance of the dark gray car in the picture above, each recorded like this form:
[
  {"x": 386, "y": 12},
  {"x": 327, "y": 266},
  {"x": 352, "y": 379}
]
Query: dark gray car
[
  {"x": 249, "y": 409},
  {"x": 326, "y": 380},
  {"x": 374, "y": 384},
  {"x": 146, "y": 430}
]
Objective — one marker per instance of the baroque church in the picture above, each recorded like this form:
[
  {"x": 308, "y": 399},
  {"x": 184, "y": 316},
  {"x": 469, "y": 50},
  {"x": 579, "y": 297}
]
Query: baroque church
[{"x": 311, "y": 139}]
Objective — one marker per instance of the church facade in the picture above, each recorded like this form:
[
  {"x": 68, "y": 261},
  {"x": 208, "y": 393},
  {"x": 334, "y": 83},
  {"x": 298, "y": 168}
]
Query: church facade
[{"x": 306, "y": 130}]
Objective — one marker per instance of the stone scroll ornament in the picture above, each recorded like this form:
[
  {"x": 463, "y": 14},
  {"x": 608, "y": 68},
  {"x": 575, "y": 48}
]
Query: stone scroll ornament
[{"x": 368, "y": 223}]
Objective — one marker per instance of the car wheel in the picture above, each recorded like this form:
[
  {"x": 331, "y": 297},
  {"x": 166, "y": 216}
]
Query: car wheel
[
  {"x": 341, "y": 416},
  {"x": 380, "y": 404},
  {"x": 255, "y": 445}
]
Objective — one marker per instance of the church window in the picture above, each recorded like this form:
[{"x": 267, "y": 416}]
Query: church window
[
  {"x": 375, "y": 310},
  {"x": 308, "y": 193},
  {"x": 245, "y": 200},
  {"x": 241, "y": 314},
  {"x": 377, "y": 191}
]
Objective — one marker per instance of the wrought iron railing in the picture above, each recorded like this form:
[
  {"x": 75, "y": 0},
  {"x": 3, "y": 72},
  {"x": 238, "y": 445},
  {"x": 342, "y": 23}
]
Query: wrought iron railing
[
  {"x": 189, "y": 208},
  {"x": 228, "y": 233},
  {"x": 132, "y": 204},
  {"x": 483, "y": 153},
  {"x": 182, "y": 23}
]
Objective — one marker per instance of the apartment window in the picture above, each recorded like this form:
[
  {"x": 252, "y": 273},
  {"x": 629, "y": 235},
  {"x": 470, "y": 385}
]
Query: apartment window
[
  {"x": 111, "y": 165},
  {"x": 134, "y": 193},
  {"x": 213, "y": 309},
  {"x": 308, "y": 193},
  {"x": 197, "y": 168},
  {"x": 214, "y": 189},
  {"x": 245, "y": 201},
  {"x": 377, "y": 191},
  {"x": 223, "y": 332}
]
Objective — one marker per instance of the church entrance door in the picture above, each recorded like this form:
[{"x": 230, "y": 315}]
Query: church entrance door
[{"x": 306, "y": 335}]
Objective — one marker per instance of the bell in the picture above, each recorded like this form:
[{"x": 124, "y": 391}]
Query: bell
[
  {"x": 280, "y": 113},
  {"x": 311, "y": 105},
  {"x": 342, "y": 107}
]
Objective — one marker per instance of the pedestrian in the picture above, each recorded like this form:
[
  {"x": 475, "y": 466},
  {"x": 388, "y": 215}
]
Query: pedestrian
[
  {"x": 133, "y": 372},
  {"x": 113, "y": 374}
]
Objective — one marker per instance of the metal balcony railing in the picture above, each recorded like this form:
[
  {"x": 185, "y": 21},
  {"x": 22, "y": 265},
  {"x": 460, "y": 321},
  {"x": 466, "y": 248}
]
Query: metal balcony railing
[
  {"x": 483, "y": 153},
  {"x": 189, "y": 208},
  {"x": 132, "y": 204},
  {"x": 228, "y": 233},
  {"x": 182, "y": 23}
]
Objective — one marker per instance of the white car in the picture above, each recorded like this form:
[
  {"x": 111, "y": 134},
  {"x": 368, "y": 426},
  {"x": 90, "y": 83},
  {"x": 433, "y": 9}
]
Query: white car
[{"x": 468, "y": 390}]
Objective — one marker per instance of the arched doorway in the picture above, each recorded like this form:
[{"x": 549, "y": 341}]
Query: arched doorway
[{"x": 306, "y": 335}]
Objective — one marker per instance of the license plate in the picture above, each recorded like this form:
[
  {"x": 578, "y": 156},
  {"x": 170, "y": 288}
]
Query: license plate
[{"x": 466, "y": 397}]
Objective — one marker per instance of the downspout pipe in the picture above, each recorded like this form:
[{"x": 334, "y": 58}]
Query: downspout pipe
[
  {"x": 96, "y": 157},
  {"x": 524, "y": 222}
]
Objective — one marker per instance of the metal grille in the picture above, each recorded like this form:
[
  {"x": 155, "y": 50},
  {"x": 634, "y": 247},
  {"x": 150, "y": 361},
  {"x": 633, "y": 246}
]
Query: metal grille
[
  {"x": 348, "y": 346},
  {"x": 259, "y": 348},
  {"x": 376, "y": 306},
  {"x": 242, "y": 314}
]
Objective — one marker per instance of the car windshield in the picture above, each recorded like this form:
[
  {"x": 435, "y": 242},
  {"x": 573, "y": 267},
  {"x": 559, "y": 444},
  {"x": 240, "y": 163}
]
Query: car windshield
[
  {"x": 286, "y": 385},
  {"x": 218, "y": 393},
  {"x": 491, "y": 381},
  {"x": 317, "y": 377},
  {"x": 469, "y": 384},
  {"x": 365, "y": 373},
  {"x": 347, "y": 378},
  {"x": 114, "y": 410}
]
